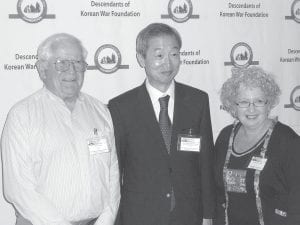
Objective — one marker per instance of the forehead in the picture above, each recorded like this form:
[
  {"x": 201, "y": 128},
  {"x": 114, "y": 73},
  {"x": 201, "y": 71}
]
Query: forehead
[
  {"x": 67, "y": 50},
  {"x": 163, "y": 41},
  {"x": 250, "y": 92}
]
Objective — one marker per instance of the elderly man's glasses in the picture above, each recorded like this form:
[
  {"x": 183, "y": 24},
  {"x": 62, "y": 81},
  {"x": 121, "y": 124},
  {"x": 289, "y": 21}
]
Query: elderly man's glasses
[
  {"x": 256, "y": 103},
  {"x": 64, "y": 65}
]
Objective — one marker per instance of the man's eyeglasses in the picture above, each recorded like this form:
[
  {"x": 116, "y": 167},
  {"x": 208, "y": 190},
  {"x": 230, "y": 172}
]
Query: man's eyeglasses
[
  {"x": 256, "y": 103},
  {"x": 64, "y": 65}
]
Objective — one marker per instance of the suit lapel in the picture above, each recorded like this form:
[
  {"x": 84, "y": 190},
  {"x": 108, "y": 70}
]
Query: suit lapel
[
  {"x": 181, "y": 106},
  {"x": 147, "y": 116}
]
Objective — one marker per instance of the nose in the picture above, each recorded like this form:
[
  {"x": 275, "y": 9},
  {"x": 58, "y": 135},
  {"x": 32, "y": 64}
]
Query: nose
[
  {"x": 251, "y": 107},
  {"x": 72, "y": 68},
  {"x": 167, "y": 62},
  {"x": 70, "y": 74}
]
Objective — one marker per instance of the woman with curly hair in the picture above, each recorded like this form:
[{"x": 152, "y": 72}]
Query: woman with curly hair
[{"x": 257, "y": 167}]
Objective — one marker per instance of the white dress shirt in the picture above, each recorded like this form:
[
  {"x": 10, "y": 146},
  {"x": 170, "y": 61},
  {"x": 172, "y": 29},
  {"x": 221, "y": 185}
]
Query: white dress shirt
[
  {"x": 49, "y": 174},
  {"x": 155, "y": 94}
]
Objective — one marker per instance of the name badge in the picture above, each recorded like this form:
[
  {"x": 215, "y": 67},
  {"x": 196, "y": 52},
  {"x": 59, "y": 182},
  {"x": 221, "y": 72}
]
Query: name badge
[
  {"x": 97, "y": 144},
  {"x": 257, "y": 163},
  {"x": 280, "y": 213},
  {"x": 189, "y": 143}
]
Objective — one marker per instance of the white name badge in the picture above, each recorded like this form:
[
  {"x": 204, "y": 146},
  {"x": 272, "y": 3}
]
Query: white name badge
[
  {"x": 191, "y": 144},
  {"x": 257, "y": 163},
  {"x": 98, "y": 145}
]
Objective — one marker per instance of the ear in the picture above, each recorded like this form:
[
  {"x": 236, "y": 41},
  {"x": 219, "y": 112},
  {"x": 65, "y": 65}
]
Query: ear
[
  {"x": 41, "y": 68},
  {"x": 140, "y": 59}
]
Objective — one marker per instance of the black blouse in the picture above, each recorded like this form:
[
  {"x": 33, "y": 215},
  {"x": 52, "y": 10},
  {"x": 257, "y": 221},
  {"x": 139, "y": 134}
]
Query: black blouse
[{"x": 279, "y": 180}]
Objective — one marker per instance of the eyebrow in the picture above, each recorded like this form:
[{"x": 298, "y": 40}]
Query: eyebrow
[
  {"x": 249, "y": 99},
  {"x": 177, "y": 48}
]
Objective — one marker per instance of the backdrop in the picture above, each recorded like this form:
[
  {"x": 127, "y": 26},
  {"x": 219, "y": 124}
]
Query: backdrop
[{"x": 217, "y": 35}]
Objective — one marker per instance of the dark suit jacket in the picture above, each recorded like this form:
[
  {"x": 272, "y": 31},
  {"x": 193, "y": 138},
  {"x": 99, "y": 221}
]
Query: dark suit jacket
[{"x": 149, "y": 172}]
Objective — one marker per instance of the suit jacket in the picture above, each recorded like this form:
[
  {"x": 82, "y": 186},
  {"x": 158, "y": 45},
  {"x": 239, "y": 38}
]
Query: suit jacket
[{"x": 149, "y": 173}]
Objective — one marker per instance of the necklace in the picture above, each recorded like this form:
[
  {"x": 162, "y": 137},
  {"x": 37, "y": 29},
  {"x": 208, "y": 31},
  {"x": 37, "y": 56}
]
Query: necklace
[{"x": 245, "y": 141}]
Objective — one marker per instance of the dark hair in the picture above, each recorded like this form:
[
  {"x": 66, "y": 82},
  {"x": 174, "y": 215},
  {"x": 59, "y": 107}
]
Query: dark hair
[{"x": 154, "y": 30}]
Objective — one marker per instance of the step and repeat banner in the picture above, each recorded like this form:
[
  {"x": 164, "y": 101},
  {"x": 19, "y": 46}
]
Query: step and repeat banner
[{"x": 217, "y": 35}]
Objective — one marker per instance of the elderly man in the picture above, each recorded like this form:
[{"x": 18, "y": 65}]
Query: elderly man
[
  {"x": 164, "y": 140},
  {"x": 59, "y": 160}
]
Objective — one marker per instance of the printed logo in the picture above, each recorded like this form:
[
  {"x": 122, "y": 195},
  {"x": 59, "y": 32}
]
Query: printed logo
[
  {"x": 108, "y": 59},
  {"x": 241, "y": 56},
  {"x": 31, "y": 11},
  {"x": 294, "y": 99},
  {"x": 295, "y": 12},
  {"x": 180, "y": 11}
]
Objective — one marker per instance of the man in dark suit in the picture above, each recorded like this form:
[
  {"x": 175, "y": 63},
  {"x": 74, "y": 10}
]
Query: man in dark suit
[{"x": 164, "y": 140}]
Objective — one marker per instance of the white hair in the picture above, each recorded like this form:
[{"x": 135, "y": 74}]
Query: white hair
[{"x": 45, "y": 49}]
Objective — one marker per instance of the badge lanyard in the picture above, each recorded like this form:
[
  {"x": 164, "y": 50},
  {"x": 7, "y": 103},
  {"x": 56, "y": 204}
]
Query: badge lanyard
[{"x": 256, "y": 175}]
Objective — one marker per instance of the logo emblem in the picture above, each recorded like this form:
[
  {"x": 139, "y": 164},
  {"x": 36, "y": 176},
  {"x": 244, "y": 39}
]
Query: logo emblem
[
  {"x": 31, "y": 11},
  {"x": 108, "y": 59},
  {"x": 180, "y": 11},
  {"x": 241, "y": 56},
  {"x": 295, "y": 12},
  {"x": 294, "y": 99}
]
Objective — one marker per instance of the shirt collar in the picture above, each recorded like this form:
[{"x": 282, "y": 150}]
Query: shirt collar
[{"x": 155, "y": 94}]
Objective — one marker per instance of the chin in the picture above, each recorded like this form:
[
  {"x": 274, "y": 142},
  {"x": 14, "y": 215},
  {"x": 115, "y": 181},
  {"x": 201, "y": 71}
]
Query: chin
[{"x": 71, "y": 94}]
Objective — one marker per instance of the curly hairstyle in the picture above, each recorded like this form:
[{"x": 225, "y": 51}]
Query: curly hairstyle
[{"x": 251, "y": 77}]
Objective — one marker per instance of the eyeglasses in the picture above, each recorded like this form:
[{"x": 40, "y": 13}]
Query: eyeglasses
[
  {"x": 256, "y": 103},
  {"x": 64, "y": 65}
]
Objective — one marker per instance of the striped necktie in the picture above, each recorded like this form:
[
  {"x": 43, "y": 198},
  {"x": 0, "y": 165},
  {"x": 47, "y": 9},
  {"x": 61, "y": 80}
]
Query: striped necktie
[{"x": 165, "y": 122}]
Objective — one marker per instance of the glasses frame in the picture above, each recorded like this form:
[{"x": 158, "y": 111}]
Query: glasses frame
[
  {"x": 69, "y": 65},
  {"x": 254, "y": 103}
]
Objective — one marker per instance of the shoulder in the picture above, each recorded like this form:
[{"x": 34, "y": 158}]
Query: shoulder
[
  {"x": 25, "y": 111},
  {"x": 126, "y": 98},
  {"x": 194, "y": 99},
  {"x": 221, "y": 144},
  {"x": 283, "y": 131},
  {"x": 192, "y": 91},
  {"x": 96, "y": 109},
  {"x": 94, "y": 103},
  {"x": 224, "y": 134},
  {"x": 24, "y": 106},
  {"x": 281, "y": 140},
  {"x": 91, "y": 99}
]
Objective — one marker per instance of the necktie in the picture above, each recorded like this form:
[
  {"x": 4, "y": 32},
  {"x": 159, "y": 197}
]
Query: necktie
[
  {"x": 165, "y": 122},
  {"x": 166, "y": 130}
]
